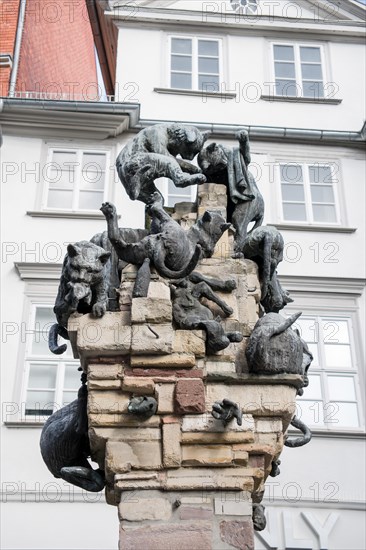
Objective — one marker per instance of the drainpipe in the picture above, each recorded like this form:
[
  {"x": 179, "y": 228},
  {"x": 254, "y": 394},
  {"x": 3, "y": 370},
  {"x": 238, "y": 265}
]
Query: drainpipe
[{"x": 18, "y": 41}]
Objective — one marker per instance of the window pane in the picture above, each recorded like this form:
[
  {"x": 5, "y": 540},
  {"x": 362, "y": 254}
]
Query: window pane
[
  {"x": 312, "y": 89},
  {"x": 346, "y": 415},
  {"x": 181, "y": 63},
  {"x": 207, "y": 65},
  {"x": 309, "y": 329},
  {"x": 320, "y": 174},
  {"x": 322, "y": 193},
  {"x": 92, "y": 180},
  {"x": 208, "y": 82},
  {"x": 181, "y": 80},
  {"x": 313, "y": 348},
  {"x": 310, "y": 54},
  {"x": 284, "y": 53},
  {"x": 42, "y": 375},
  {"x": 61, "y": 178},
  {"x": 292, "y": 192},
  {"x": 40, "y": 341},
  {"x": 287, "y": 88},
  {"x": 291, "y": 173},
  {"x": 208, "y": 47},
  {"x": 294, "y": 212},
  {"x": 40, "y": 402},
  {"x": 313, "y": 391},
  {"x": 63, "y": 158},
  {"x": 341, "y": 388},
  {"x": 44, "y": 316},
  {"x": 337, "y": 356},
  {"x": 285, "y": 70},
  {"x": 90, "y": 201},
  {"x": 72, "y": 377},
  {"x": 324, "y": 213},
  {"x": 335, "y": 331},
  {"x": 68, "y": 397},
  {"x": 181, "y": 45},
  {"x": 59, "y": 199},
  {"x": 311, "y": 412},
  {"x": 311, "y": 72},
  {"x": 94, "y": 161}
]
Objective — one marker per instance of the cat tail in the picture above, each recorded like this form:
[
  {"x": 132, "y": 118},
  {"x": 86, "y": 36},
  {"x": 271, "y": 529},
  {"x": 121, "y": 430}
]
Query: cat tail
[
  {"x": 55, "y": 331},
  {"x": 302, "y": 440},
  {"x": 172, "y": 274}
]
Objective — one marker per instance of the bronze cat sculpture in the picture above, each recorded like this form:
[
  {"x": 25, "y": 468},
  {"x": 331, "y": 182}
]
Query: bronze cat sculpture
[
  {"x": 65, "y": 445},
  {"x": 153, "y": 154},
  {"x": 83, "y": 288},
  {"x": 173, "y": 251}
]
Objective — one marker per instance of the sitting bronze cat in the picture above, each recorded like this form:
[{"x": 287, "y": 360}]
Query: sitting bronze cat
[{"x": 83, "y": 288}]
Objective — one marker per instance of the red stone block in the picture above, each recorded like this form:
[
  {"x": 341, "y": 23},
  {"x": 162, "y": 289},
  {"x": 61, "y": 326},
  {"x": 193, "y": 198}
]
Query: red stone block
[
  {"x": 256, "y": 461},
  {"x": 159, "y": 375},
  {"x": 189, "y": 397},
  {"x": 239, "y": 534},
  {"x": 186, "y": 536},
  {"x": 187, "y": 512}
]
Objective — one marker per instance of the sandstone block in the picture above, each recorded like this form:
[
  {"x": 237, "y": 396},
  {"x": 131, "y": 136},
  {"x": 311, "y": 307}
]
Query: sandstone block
[
  {"x": 241, "y": 457},
  {"x": 171, "y": 445},
  {"x": 232, "y": 508},
  {"x": 125, "y": 294},
  {"x": 206, "y": 455},
  {"x": 268, "y": 425},
  {"x": 145, "y": 342},
  {"x": 172, "y": 361},
  {"x": 104, "y": 372},
  {"x": 122, "y": 420},
  {"x": 188, "y": 479},
  {"x": 165, "y": 395},
  {"x": 165, "y": 375},
  {"x": 238, "y": 534},
  {"x": 189, "y": 396},
  {"x": 107, "y": 402},
  {"x": 191, "y": 535},
  {"x": 207, "y": 423},
  {"x": 122, "y": 456},
  {"x": 190, "y": 341},
  {"x": 141, "y": 386},
  {"x": 104, "y": 385},
  {"x": 151, "y": 310},
  {"x": 222, "y": 438},
  {"x": 189, "y": 512},
  {"x": 152, "y": 509},
  {"x": 110, "y": 334},
  {"x": 219, "y": 366}
]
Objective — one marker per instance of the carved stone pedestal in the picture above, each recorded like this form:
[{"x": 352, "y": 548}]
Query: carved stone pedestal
[{"x": 181, "y": 479}]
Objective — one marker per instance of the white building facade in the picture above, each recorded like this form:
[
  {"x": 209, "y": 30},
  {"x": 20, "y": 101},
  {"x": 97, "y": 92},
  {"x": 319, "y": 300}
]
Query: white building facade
[{"x": 292, "y": 73}]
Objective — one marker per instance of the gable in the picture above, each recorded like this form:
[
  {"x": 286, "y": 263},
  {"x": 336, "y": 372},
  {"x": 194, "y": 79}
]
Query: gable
[{"x": 327, "y": 11}]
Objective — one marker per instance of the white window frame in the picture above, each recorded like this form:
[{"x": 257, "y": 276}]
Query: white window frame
[
  {"x": 307, "y": 193},
  {"x": 162, "y": 185},
  {"x": 77, "y": 179},
  {"x": 195, "y": 72},
  {"x": 330, "y": 420},
  {"x": 59, "y": 361},
  {"x": 297, "y": 62}
]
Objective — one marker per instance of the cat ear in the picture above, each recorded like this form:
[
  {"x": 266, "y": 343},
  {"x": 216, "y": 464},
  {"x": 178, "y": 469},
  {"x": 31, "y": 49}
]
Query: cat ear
[
  {"x": 191, "y": 136},
  {"x": 205, "y": 135},
  {"x": 73, "y": 250},
  {"x": 211, "y": 147},
  {"x": 104, "y": 257},
  {"x": 207, "y": 217},
  {"x": 225, "y": 226}
]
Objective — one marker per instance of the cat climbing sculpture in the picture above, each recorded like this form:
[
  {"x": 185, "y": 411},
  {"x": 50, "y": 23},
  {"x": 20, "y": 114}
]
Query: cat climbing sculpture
[{"x": 83, "y": 288}]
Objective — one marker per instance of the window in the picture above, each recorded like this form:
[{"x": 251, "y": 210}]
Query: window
[
  {"x": 75, "y": 179},
  {"x": 173, "y": 194},
  {"x": 298, "y": 70},
  {"x": 308, "y": 193},
  {"x": 195, "y": 63},
  {"x": 245, "y": 6},
  {"x": 331, "y": 400},
  {"x": 51, "y": 381}
]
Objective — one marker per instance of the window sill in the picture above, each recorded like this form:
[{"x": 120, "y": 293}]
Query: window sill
[
  {"x": 196, "y": 93},
  {"x": 25, "y": 424},
  {"x": 66, "y": 215},
  {"x": 322, "y": 100},
  {"x": 318, "y": 228}
]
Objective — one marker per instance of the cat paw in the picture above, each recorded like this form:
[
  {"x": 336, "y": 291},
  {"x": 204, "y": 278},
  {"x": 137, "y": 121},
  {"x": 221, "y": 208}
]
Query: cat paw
[
  {"x": 197, "y": 179},
  {"x": 109, "y": 210},
  {"x": 230, "y": 285},
  {"x": 227, "y": 310},
  {"x": 226, "y": 410},
  {"x": 99, "y": 309}
]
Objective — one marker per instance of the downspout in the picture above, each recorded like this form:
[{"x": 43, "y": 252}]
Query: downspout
[{"x": 18, "y": 41}]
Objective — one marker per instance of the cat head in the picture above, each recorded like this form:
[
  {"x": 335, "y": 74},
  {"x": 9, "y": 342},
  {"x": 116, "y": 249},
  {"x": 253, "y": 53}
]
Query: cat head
[
  {"x": 212, "y": 159},
  {"x": 185, "y": 140},
  {"x": 86, "y": 260}
]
